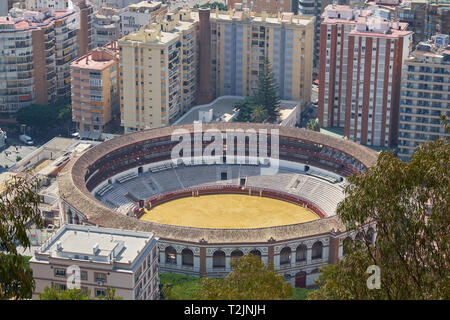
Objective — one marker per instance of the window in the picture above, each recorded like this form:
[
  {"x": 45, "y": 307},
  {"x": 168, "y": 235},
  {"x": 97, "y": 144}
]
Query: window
[
  {"x": 301, "y": 253},
  {"x": 317, "y": 250},
  {"x": 100, "y": 277},
  {"x": 60, "y": 273},
  {"x": 219, "y": 259},
  {"x": 187, "y": 257},
  {"x": 100, "y": 292},
  {"x": 171, "y": 255},
  {"x": 285, "y": 256},
  {"x": 84, "y": 275},
  {"x": 60, "y": 287}
]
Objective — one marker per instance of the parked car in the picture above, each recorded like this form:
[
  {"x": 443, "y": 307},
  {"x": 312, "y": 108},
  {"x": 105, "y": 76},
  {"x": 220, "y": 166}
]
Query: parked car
[{"x": 26, "y": 139}]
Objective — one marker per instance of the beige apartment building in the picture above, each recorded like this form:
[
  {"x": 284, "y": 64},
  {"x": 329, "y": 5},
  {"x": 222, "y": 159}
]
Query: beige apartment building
[
  {"x": 240, "y": 39},
  {"x": 425, "y": 95},
  {"x": 105, "y": 258},
  {"x": 95, "y": 88},
  {"x": 158, "y": 68}
]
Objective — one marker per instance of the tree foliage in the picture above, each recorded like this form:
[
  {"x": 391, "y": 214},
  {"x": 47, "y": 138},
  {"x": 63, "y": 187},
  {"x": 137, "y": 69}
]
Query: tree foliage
[
  {"x": 213, "y": 5},
  {"x": 250, "y": 279},
  {"x": 313, "y": 125},
  {"x": 259, "y": 114},
  {"x": 409, "y": 204},
  {"x": 267, "y": 90},
  {"x": 263, "y": 105},
  {"x": 18, "y": 211},
  {"x": 178, "y": 286},
  {"x": 45, "y": 116},
  {"x": 51, "y": 293}
]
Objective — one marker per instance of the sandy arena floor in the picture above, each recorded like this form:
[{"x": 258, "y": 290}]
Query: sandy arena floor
[{"x": 228, "y": 211}]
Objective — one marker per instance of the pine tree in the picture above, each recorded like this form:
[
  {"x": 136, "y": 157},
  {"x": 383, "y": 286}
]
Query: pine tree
[{"x": 266, "y": 93}]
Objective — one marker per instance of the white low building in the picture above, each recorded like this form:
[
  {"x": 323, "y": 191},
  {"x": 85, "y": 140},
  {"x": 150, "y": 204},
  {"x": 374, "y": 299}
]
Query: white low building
[{"x": 105, "y": 258}]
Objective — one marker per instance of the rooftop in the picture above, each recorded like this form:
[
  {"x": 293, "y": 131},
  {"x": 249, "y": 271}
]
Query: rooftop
[
  {"x": 96, "y": 244},
  {"x": 99, "y": 58},
  {"x": 22, "y": 20}
]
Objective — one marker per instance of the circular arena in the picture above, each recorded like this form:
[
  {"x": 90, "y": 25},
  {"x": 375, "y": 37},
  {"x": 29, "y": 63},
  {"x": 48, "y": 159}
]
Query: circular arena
[{"x": 217, "y": 191}]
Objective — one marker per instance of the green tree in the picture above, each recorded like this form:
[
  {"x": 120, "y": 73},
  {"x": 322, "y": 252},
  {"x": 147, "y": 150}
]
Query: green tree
[
  {"x": 250, "y": 279},
  {"x": 111, "y": 294},
  {"x": 245, "y": 107},
  {"x": 259, "y": 114},
  {"x": 213, "y": 5},
  {"x": 267, "y": 90},
  {"x": 51, "y": 293},
  {"x": 409, "y": 204},
  {"x": 178, "y": 286},
  {"x": 46, "y": 116},
  {"x": 18, "y": 211},
  {"x": 37, "y": 116},
  {"x": 313, "y": 125}
]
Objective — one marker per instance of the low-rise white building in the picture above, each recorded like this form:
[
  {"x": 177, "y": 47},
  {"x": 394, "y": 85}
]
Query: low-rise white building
[{"x": 105, "y": 258}]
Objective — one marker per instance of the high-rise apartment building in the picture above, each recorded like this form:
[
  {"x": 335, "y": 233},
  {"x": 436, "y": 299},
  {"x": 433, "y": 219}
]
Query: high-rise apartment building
[
  {"x": 413, "y": 12},
  {"x": 241, "y": 39},
  {"x": 84, "y": 12},
  {"x": 361, "y": 59},
  {"x": 135, "y": 16},
  {"x": 95, "y": 88},
  {"x": 106, "y": 26},
  {"x": 437, "y": 20},
  {"x": 36, "y": 49},
  {"x": 425, "y": 95},
  {"x": 158, "y": 67},
  {"x": 86, "y": 33},
  {"x": 314, "y": 8}
]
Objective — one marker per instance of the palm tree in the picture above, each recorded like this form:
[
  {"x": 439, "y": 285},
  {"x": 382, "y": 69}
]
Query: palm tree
[{"x": 259, "y": 114}]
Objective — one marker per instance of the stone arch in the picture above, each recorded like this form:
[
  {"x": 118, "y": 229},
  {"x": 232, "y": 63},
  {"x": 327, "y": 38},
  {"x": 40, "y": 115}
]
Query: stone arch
[
  {"x": 236, "y": 254},
  {"x": 219, "y": 259},
  {"x": 171, "y": 255},
  {"x": 300, "y": 253},
  {"x": 256, "y": 253},
  {"x": 187, "y": 257},
  {"x": 285, "y": 256},
  {"x": 317, "y": 249}
]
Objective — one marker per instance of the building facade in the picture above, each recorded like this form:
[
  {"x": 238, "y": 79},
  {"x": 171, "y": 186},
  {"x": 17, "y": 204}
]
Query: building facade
[
  {"x": 437, "y": 18},
  {"x": 105, "y": 258},
  {"x": 425, "y": 95},
  {"x": 268, "y": 6},
  {"x": 314, "y": 8},
  {"x": 136, "y": 16},
  {"x": 106, "y": 24},
  {"x": 241, "y": 39},
  {"x": 36, "y": 51},
  {"x": 158, "y": 68},
  {"x": 360, "y": 74},
  {"x": 95, "y": 88},
  {"x": 84, "y": 12}
]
